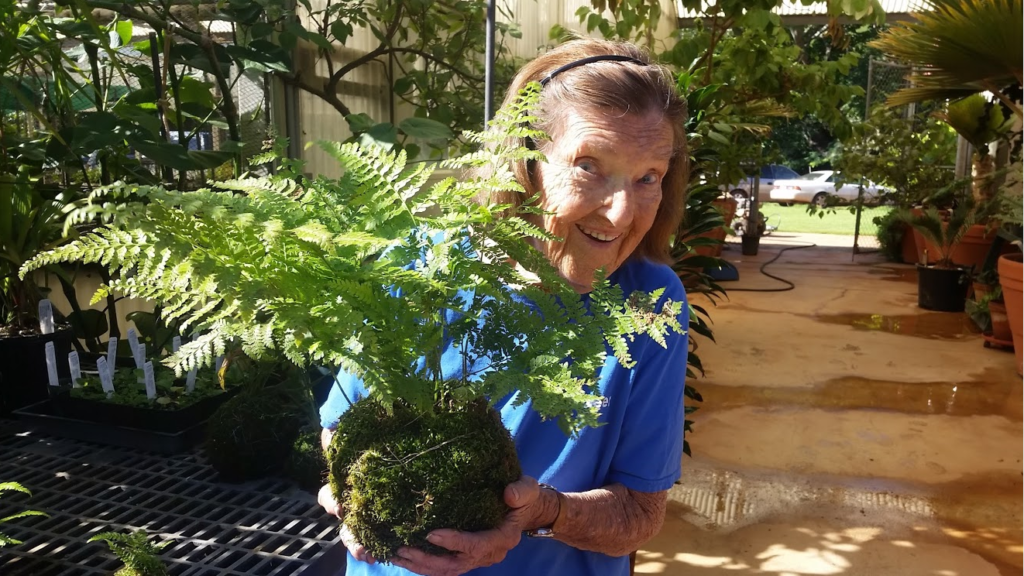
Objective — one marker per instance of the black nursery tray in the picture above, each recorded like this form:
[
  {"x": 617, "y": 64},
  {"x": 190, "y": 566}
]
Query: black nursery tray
[{"x": 162, "y": 431}]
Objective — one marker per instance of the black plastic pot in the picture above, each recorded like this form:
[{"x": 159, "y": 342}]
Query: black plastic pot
[
  {"x": 164, "y": 431},
  {"x": 942, "y": 289},
  {"x": 750, "y": 245},
  {"x": 23, "y": 378}
]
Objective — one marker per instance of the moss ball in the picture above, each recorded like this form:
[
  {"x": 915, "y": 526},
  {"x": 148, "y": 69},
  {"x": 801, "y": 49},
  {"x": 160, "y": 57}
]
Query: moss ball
[
  {"x": 251, "y": 435},
  {"x": 403, "y": 474},
  {"x": 306, "y": 465}
]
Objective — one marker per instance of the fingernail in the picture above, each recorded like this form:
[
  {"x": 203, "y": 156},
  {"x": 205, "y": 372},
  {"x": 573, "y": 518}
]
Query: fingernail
[
  {"x": 433, "y": 538},
  {"x": 515, "y": 494}
]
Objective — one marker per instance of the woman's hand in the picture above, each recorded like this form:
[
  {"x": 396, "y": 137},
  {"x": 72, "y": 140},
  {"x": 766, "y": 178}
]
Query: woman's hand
[
  {"x": 326, "y": 499},
  {"x": 478, "y": 549}
]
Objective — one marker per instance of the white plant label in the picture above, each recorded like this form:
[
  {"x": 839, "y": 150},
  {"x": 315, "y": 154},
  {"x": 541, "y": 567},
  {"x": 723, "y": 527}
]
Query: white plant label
[
  {"x": 175, "y": 343},
  {"x": 76, "y": 369},
  {"x": 150, "y": 381},
  {"x": 45, "y": 316},
  {"x": 106, "y": 376},
  {"x": 133, "y": 341},
  {"x": 111, "y": 357},
  {"x": 140, "y": 358},
  {"x": 51, "y": 364},
  {"x": 190, "y": 381}
]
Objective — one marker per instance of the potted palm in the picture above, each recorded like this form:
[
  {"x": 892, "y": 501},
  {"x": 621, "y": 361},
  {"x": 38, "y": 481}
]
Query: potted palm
[
  {"x": 943, "y": 285},
  {"x": 375, "y": 274}
]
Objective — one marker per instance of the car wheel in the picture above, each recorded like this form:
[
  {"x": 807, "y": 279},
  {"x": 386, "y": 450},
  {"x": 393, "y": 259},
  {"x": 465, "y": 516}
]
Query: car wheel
[{"x": 820, "y": 200}]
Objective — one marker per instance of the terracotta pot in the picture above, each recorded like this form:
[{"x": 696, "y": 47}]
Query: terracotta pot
[
  {"x": 974, "y": 246},
  {"x": 909, "y": 246},
  {"x": 1001, "y": 329},
  {"x": 927, "y": 253},
  {"x": 979, "y": 290},
  {"x": 727, "y": 206},
  {"x": 1011, "y": 277}
]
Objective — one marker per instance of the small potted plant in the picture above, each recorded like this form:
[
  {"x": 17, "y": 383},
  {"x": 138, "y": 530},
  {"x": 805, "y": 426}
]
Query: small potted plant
[
  {"x": 374, "y": 274},
  {"x": 943, "y": 285}
]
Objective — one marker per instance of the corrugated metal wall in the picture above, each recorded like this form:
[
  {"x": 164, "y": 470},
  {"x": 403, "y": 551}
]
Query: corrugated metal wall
[{"x": 366, "y": 88}]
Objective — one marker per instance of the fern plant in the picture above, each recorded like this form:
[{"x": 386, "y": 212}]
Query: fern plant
[
  {"x": 15, "y": 487},
  {"x": 140, "y": 556},
  {"x": 357, "y": 272}
]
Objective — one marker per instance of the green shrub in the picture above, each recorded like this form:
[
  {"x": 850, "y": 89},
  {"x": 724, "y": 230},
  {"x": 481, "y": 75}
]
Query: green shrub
[{"x": 890, "y": 232}]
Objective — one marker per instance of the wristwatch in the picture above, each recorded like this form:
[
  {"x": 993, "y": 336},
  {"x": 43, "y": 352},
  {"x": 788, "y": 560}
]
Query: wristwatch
[{"x": 551, "y": 530}]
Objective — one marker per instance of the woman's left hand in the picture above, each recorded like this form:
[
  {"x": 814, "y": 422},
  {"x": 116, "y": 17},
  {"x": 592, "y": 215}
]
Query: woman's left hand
[{"x": 476, "y": 549}]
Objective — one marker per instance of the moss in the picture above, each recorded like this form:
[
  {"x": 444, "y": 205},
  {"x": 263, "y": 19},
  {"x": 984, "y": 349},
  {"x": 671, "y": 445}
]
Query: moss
[
  {"x": 306, "y": 465},
  {"x": 401, "y": 475},
  {"x": 252, "y": 434}
]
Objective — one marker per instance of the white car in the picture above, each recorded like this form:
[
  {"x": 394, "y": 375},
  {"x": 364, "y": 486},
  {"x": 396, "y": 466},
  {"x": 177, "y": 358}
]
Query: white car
[
  {"x": 769, "y": 174},
  {"x": 817, "y": 186}
]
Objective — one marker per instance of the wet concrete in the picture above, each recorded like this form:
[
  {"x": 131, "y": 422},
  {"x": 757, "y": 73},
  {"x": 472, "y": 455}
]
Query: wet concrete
[{"x": 846, "y": 431}]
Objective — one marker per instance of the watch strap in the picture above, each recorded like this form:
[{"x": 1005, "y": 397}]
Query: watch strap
[{"x": 551, "y": 530}]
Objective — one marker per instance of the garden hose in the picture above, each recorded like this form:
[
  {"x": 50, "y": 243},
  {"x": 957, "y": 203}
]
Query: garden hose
[{"x": 789, "y": 284}]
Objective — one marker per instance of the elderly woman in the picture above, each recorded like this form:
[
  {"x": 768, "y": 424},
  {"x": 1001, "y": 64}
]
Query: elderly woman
[{"x": 612, "y": 190}]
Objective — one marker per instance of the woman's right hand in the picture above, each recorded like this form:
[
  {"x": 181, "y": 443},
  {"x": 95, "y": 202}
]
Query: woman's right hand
[{"x": 326, "y": 499}]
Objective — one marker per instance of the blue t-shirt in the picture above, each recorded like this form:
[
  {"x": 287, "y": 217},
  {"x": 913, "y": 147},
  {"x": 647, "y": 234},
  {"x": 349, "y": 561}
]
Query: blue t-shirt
[{"x": 639, "y": 445}]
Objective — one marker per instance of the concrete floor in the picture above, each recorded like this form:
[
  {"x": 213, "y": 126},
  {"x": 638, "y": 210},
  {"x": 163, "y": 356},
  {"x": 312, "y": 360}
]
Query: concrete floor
[{"x": 845, "y": 431}]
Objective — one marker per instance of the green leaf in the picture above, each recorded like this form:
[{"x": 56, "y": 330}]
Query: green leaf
[
  {"x": 124, "y": 31},
  {"x": 191, "y": 90},
  {"x": 383, "y": 135},
  {"x": 425, "y": 129},
  {"x": 404, "y": 85},
  {"x": 359, "y": 123},
  {"x": 88, "y": 324},
  {"x": 210, "y": 158}
]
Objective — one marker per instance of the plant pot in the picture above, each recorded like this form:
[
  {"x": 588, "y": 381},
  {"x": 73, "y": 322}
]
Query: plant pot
[
  {"x": 1001, "y": 329},
  {"x": 973, "y": 247},
  {"x": 941, "y": 289},
  {"x": 1010, "y": 277},
  {"x": 909, "y": 246},
  {"x": 980, "y": 290},
  {"x": 750, "y": 245},
  {"x": 143, "y": 428},
  {"x": 727, "y": 207},
  {"x": 23, "y": 377}
]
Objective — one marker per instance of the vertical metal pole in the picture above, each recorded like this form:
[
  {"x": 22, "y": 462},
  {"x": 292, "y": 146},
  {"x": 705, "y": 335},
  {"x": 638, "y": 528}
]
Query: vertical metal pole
[
  {"x": 489, "y": 65},
  {"x": 856, "y": 224},
  {"x": 154, "y": 52}
]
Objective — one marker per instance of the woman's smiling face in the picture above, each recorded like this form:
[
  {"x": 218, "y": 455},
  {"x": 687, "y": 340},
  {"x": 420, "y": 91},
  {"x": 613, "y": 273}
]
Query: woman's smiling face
[{"x": 601, "y": 189}]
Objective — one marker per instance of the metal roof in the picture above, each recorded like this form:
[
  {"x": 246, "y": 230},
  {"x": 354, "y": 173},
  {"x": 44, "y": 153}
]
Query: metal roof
[{"x": 794, "y": 13}]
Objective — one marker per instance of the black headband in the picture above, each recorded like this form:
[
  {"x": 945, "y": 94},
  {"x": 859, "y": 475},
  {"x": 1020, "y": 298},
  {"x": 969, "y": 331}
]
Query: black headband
[{"x": 589, "y": 60}]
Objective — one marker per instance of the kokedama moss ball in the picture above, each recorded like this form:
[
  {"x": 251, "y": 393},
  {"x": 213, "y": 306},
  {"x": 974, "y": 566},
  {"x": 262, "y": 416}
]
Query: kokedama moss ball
[
  {"x": 403, "y": 475},
  {"x": 251, "y": 435},
  {"x": 306, "y": 466}
]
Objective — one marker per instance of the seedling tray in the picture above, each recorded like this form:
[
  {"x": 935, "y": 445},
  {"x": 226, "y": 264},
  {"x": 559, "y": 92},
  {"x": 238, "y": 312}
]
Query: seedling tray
[{"x": 161, "y": 431}]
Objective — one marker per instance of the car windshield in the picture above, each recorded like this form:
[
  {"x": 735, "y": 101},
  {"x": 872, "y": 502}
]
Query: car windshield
[{"x": 813, "y": 176}]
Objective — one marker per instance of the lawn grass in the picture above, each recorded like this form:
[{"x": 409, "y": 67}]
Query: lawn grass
[{"x": 796, "y": 219}]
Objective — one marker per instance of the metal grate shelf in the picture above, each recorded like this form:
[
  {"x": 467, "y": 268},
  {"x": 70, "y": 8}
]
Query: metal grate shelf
[{"x": 260, "y": 528}]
